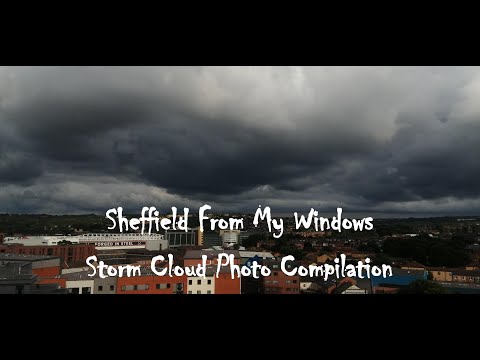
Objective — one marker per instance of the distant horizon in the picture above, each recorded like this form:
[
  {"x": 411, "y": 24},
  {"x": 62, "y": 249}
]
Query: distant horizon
[{"x": 327, "y": 215}]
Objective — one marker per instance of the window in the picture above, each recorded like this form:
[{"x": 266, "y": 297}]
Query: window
[
  {"x": 189, "y": 291},
  {"x": 162, "y": 286},
  {"x": 135, "y": 287},
  {"x": 209, "y": 292},
  {"x": 189, "y": 282},
  {"x": 100, "y": 288},
  {"x": 199, "y": 292},
  {"x": 438, "y": 272},
  {"x": 289, "y": 290},
  {"x": 74, "y": 291},
  {"x": 112, "y": 287},
  {"x": 289, "y": 266},
  {"x": 275, "y": 273},
  {"x": 268, "y": 281},
  {"x": 295, "y": 281},
  {"x": 288, "y": 281},
  {"x": 209, "y": 282},
  {"x": 275, "y": 266},
  {"x": 199, "y": 282},
  {"x": 86, "y": 290},
  {"x": 168, "y": 286},
  {"x": 147, "y": 287},
  {"x": 124, "y": 288},
  {"x": 274, "y": 282},
  {"x": 295, "y": 290}
]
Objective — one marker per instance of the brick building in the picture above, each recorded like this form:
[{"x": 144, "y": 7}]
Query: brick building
[
  {"x": 149, "y": 283},
  {"x": 278, "y": 282},
  {"x": 70, "y": 255},
  {"x": 223, "y": 283}
]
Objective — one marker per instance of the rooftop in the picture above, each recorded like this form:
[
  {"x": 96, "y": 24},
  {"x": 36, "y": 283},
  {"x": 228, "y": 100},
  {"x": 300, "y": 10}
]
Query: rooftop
[
  {"x": 473, "y": 273},
  {"x": 197, "y": 254},
  {"x": 23, "y": 257},
  {"x": 260, "y": 254}
]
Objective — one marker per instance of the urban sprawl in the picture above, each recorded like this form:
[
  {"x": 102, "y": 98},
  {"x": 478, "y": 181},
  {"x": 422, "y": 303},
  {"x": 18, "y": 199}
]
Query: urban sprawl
[{"x": 48, "y": 254}]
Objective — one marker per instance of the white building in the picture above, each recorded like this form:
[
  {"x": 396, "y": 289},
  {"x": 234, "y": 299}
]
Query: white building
[
  {"x": 102, "y": 241},
  {"x": 354, "y": 290},
  {"x": 230, "y": 237},
  {"x": 79, "y": 283},
  {"x": 199, "y": 285}
]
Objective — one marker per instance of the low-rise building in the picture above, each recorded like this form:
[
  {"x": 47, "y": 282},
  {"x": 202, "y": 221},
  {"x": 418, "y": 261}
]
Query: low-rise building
[
  {"x": 400, "y": 278},
  {"x": 200, "y": 285},
  {"x": 441, "y": 273},
  {"x": 466, "y": 276},
  {"x": 278, "y": 282},
  {"x": 70, "y": 255}
]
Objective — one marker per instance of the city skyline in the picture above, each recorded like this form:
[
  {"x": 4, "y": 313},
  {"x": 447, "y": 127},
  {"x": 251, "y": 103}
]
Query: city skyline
[{"x": 383, "y": 141}]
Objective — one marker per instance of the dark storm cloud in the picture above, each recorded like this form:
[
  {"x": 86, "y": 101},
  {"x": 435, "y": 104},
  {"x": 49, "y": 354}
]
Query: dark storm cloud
[{"x": 369, "y": 139}]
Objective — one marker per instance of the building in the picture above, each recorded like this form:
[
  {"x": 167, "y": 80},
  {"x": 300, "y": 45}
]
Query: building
[
  {"x": 278, "y": 282},
  {"x": 211, "y": 238},
  {"x": 150, "y": 283},
  {"x": 16, "y": 278},
  {"x": 102, "y": 241},
  {"x": 257, "y": 255},
  {"x": 441, "y": 274},
  {"x": 79, "y": 283},
  {"x": 412, "y": 265},
  {"x": 466, "y": 276},
  {"x": 41, "y": 265},
  {"x": 177, "y": 238},
  {"x": 230, "y": 237},
  {"x": 199, "y": 237},
  {"x": 71, "y": 255},
  {"x": 349, "y": 288},
  {"x": 250, "y": 284},
  {"x": 247, "y": 233},
  {"x": 194, "y": 257},
  {"x": 400, "y": 278},
  {"x": 318, "y": 285},
  {"x": 223, "y": 283},
  {"x": 22, "y": 274},
  {"x": 105, "y": 286},
  {"x": 199, "y": 285}
]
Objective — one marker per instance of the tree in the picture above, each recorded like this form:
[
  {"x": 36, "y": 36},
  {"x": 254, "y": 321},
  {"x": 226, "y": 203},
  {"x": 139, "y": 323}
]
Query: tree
[
  {"x": 369, "y": 246},
  {"x": 380, "y": 259},
  {"x": 423, "y": 287},
  {"x": 429, "y": 251},
  {"x": 252, "y": 240}
]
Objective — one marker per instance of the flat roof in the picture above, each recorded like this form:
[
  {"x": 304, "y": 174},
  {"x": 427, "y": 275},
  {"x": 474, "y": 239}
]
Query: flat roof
[
  {"x": 197, "y": 254},
  {"x": 23, "y": 257},
  {"x": 260, "y": 254}
]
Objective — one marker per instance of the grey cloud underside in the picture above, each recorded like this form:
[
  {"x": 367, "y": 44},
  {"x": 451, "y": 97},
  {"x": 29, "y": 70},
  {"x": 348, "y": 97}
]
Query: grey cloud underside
[{"x": 368, "y": 139}]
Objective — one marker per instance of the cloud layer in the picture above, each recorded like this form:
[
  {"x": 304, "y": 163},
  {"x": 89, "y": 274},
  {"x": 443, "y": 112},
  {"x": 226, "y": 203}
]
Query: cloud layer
[{"x": 399, "y": 140}]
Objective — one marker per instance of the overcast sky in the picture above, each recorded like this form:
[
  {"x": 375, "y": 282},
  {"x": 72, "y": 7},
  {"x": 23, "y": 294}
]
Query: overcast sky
[{"x": 393, "y": 141}]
